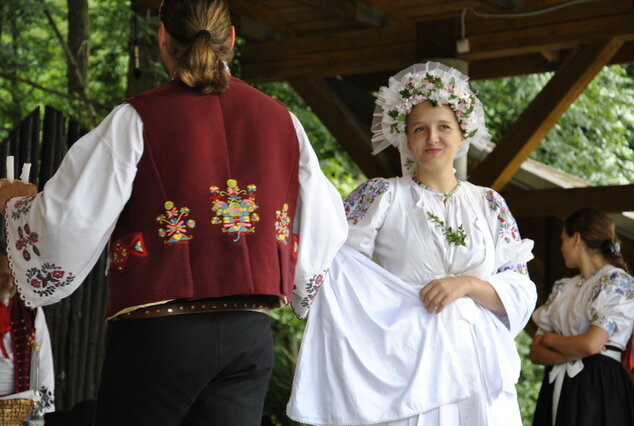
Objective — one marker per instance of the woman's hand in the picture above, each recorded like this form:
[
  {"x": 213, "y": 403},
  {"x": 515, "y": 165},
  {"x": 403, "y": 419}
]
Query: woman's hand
[
  {"x": 437, "y": 294},
  {"x": 17, "y": 188}
]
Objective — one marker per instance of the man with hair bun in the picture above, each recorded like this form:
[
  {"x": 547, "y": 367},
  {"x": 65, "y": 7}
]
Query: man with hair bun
[{"x": 215, "y": 210}]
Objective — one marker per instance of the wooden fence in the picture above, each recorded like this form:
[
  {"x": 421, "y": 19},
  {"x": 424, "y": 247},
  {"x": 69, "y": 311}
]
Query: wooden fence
[{"x": 76, "y": 324}]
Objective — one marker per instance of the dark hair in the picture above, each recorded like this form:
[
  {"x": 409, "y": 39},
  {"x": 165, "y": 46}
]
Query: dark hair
[
  {"x": 200, "y": 30},
  {"x": 597, "y": 230}
]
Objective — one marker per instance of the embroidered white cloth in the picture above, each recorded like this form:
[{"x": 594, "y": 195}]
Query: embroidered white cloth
[
  {"x": 47, "y": 374},
  {"x": 372, "y": 354},
  {"x": 74, "y": 215}
]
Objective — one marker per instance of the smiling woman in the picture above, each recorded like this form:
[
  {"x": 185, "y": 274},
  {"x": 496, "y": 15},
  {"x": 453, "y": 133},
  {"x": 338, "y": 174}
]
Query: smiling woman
[{"x": 433, "y": 137}]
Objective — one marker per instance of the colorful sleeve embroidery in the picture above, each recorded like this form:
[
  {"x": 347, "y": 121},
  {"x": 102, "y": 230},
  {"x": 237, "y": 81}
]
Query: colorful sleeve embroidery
[
  {"x": 359, "y": 201},
  {"x": 614, "y": 287},
  {"x": 507, "y": 226},
  {"x": 520, "y": 268}
]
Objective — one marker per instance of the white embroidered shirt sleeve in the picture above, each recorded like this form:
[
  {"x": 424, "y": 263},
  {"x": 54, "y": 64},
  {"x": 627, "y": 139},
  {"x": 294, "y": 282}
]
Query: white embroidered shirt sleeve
[
  {"x": 366, "y": 208},
  {"x": 55, "y": 237},
  {"x": 612, "y": 305},
  {"x": 319, "y": 222}
]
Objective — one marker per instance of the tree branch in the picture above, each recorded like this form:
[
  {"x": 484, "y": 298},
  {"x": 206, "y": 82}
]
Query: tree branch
[{"x": 53, "y": 91}]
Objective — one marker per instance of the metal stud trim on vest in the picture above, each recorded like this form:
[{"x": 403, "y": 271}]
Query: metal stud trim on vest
[
  {"x": 196, "y": 307},
  {"x": 234, "y": 208}
]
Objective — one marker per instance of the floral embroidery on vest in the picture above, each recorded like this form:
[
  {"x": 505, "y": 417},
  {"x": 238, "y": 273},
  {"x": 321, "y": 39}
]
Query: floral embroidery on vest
[
  {"x": 281, "y": 224},
  {"x": 48, "y": 278},
  {"x": 359, "y": 201},
  {"x": 25, "y": 239},
  {"x": 175, "y": 225},
  {"x": 121, "y": 251},
  {"x": 312, "y": 286},
  {"x": 507, "y": 226},
  {"x": 22, "y": 207},
  {"x": 236, "y": 214}
]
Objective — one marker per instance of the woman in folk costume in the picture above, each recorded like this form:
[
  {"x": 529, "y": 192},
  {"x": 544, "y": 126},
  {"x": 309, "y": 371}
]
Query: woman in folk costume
[
  {"x": 584, "y": 327},
  {"x": 424, "y": 336}
]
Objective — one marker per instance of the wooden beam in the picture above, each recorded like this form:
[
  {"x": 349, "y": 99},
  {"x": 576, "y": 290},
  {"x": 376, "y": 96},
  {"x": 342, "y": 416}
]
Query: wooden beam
[
  {"x": 562, "y": 202},
  {"x": 543, "y": 112},
  {"x": 554, "y": 36},
  {"x": 259, "y": 13},
  {"x": 393, "y": 48},
  {"x": 353, "y": 10},
  {"x": 337, "y": 117}
]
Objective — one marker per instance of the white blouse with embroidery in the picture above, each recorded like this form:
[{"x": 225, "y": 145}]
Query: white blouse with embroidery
[
  {"x": 606, "y": 300},
  {"x": 55, "y": 238},
  {"x": 390, "y": 222}
]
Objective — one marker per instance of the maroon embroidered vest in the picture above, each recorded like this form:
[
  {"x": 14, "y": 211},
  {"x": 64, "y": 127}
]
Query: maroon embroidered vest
[
  {"x": 22, "y": 336},
  {"x": 212, "y": 206}
]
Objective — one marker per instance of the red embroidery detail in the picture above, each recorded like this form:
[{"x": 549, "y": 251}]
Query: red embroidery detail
[
  {"x": 120, "y": 251},
  {"x": 295, "y": 246},
  {"x": 27, "y": 238}
]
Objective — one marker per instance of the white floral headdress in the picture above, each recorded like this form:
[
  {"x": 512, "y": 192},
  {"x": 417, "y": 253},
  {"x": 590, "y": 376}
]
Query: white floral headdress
[{"x": 429, "y": 81}]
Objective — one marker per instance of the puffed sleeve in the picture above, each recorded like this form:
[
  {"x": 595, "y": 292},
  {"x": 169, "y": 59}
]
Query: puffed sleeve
[
  {"x": 511, "y": 281},
  {"x": 54, "y": 238},
  {"x": 320, "y": 223},
  {"x": 541, "y": 316},
  {"x": 612, "y": 305},
  {"x": 47, "y": 373},
  {"x": 366, "y": 208}
]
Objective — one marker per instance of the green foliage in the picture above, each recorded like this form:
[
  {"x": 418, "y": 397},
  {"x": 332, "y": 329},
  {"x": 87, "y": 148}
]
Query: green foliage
[
  {"x": 30, "y": 51},
  {"x": 530, "y": 379},
  {"x": 344, "y": 174},
  {"x": 456, "y": 237},
  {"x": 594, "y": 139}
]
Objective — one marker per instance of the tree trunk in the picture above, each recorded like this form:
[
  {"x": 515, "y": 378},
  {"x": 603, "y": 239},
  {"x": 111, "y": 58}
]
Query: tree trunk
[{"x": 78, "y": 42}]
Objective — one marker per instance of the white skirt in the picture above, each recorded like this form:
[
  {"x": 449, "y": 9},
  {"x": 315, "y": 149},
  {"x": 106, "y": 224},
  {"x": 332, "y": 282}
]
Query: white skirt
[{"x": 371, "y": 354}]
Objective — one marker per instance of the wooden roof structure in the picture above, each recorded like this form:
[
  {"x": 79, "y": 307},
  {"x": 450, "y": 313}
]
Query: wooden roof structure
[{"x": 336, "y": 53}]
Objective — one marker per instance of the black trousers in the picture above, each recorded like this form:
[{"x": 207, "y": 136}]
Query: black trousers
[{"x": 194, "y": 369}]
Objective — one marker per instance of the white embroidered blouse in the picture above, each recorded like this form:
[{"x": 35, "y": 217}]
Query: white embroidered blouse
[
  {"x": 606, "y": 300},
  {"x": 389, "y": 222},
  {"x": 55, "y": 238}
]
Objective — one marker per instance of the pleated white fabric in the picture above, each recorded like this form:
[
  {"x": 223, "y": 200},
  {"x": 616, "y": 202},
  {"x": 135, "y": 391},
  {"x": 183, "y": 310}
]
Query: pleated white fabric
[{"x": 372, "y": 354}]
